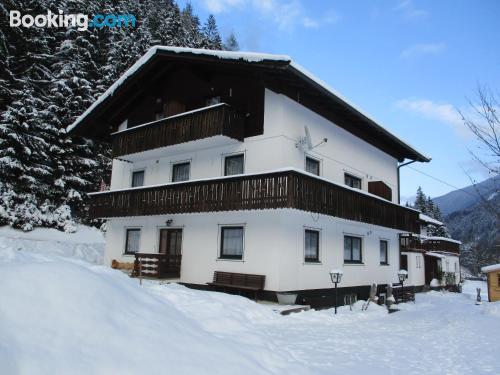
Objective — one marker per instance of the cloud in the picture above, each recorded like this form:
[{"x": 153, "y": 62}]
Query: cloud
[
  {"x": 285, "y": 13},
  {"x": 410, "y": 11},
  {"x": 421, "y": 49},
  {"x": 219, "y": 6},
  {"x": 442, "y": 112}
]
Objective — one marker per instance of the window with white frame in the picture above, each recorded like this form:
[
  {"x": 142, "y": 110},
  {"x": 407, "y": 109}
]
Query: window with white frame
[
  {"x": 180, "y": 171},
  {"x": 352, "y": 181},
  {"x": 384, "y": 256},
  {"x": 137, "y": 178},
  {"x": 312, "y": 165},
  {"x": 418, "y": 261},
  {"x": 234, "y": 164},
  {"x": 311, "y": 245},
  {"x": 352, "y": 249},
  {"x": 231, "y": 242},
  {"x": 132, "y": 240}
]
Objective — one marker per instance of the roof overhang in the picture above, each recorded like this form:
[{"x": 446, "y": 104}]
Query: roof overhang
[{"x": 281, "y": 66}]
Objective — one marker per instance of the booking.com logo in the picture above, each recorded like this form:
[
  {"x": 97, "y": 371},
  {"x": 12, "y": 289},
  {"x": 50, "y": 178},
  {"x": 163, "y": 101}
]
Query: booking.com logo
[{"x": 81, "y": 21}]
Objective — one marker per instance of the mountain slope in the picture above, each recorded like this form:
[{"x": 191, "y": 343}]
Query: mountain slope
[{"x": 458, "y": 200}]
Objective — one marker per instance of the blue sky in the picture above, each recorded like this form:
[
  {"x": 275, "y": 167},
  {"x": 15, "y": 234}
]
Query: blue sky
[{"x": 410, "y": 64}]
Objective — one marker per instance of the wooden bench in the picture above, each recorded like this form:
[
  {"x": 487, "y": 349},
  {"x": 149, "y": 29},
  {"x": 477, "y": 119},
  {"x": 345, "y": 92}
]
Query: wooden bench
[
  {"x": 239, "y": 281},
  {"x": 405, "y": 294}
]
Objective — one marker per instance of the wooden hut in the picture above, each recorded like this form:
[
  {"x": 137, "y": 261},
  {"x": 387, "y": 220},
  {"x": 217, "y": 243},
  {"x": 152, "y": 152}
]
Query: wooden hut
[{"x": 493, "y": 273}]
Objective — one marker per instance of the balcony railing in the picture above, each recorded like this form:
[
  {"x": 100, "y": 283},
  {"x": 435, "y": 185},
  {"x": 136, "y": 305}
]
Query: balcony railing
[
  {"x": 217, "y": 120},
  {"x": 441, "y": 245},
  {"x": 410, "y": 242},
  {"x": 272, "y": 190},
  {"x": 157, "y": 265}
]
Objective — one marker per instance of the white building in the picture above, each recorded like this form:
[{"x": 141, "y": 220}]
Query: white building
[{"x": 246, "y": 163}]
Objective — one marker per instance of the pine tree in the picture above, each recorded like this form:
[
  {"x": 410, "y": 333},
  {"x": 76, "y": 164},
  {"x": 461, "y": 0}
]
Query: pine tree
[
  {"x": 231, "y": 43},
  {"x": 211, "y": 33},
  {"x": 48, "y": 77},
  {"x": 420, "y": 201}
]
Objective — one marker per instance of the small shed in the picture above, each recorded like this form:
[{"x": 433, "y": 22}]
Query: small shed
[{"x": 493, "y": 273}]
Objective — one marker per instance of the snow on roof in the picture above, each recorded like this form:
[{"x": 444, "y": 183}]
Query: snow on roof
[
  {"x": 429, "y": 219},
  {"x": 443, "y": 239},
  {"x": 250, "y": 57},
  {"x": 435, "y": 255},
  {"x": 491, "y": 268}
]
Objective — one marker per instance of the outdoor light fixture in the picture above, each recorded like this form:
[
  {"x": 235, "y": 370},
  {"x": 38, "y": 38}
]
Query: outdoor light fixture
[
  {"x": 336, "y": 276},
  {"x": 169, "y": 222},
  {"x": 402, "y": 275}
]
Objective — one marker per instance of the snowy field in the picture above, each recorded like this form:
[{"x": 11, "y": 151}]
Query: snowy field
[{"x": 62, "y": 313}]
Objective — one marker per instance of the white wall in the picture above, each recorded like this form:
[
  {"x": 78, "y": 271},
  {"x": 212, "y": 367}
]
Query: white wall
[
  {"x": 451, "y": 263},
  {"x": 274, "y": 246},
  {"x": 284, "y": 122},
  {"x": 416, "y": 269}
]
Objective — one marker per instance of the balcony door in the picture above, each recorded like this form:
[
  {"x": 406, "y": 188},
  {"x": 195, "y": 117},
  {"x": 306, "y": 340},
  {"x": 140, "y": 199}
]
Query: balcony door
[{"x": 171, "y": 241}]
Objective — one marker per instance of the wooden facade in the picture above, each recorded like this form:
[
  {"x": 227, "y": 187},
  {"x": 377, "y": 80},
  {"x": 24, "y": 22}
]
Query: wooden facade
[
  {"x": 408, "y": 242},
  {"x": 494, "y": 285},
  {"x": 380, "y": 189},
  {"x": 284, "y": 189},
  {"x": 208, "y": 122}
]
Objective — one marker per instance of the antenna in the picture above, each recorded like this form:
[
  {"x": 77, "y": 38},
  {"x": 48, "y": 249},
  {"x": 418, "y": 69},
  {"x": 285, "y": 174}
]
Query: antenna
[
  {"x": 305, "y": 143},
  {"x": 308, "y": 138}
]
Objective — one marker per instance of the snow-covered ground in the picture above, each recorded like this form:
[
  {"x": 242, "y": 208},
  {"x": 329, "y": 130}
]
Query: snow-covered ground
[{"x": 60, "y": 314}]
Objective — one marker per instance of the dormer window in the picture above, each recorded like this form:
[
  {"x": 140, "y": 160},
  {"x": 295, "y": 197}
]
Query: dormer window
[{"x": 352, "y": 181}]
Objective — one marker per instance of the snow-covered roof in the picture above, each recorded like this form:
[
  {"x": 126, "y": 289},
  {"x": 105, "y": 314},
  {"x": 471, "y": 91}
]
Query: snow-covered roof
[
  {"x": 435, "y": 255},
  {"x": 491, "y": 268},
  {"x": 442, "y": 239},
  {"x": 248, "y": 57},
  {"x": 430, "y": 220}
]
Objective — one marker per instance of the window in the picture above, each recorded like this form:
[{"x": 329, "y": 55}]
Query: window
[
  {"x": 312, "y": 166},
  {"x": 231, "y": 243},
  {"x": 352, "y": 249},
  {"x": 352, "y": 181},
  {"x": 456, "y": 267},
  {"x": 498, "y": 275},
  {"x": 418, "y": 259},
  {"x": 180, "y": 172},
  {"x": 132, "y": 240},
  {"x": 311, "y": 245},
  {"x": 137, "y": 178},
  {"x": 383, "y": 252},
  {"x": 233, "y": 164}
]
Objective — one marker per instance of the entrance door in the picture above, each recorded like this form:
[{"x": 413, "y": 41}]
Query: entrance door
[
  {"x": 171, "y": 241},
  {"x": 171, "y": 246},
  {"x": 404, "y": 262}
]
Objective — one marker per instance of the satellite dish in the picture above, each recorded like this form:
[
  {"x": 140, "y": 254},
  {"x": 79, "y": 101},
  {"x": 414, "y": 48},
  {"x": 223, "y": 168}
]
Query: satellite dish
[
  {"x": 305, "y": 143},
  {"x": 308, "y": 138}
]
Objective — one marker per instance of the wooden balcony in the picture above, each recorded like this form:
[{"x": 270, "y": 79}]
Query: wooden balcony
[
  {"x": 216, "y": 121},
  {"x": 157, "y": 265},
  {"x": 272, "y": 190},
  {"x": 449, "y": 246},
  {"x": 409, "y": 242}
]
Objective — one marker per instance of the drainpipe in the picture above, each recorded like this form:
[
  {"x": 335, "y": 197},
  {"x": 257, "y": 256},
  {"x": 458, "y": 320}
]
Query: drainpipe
[{"x": 399, "y": 187}]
